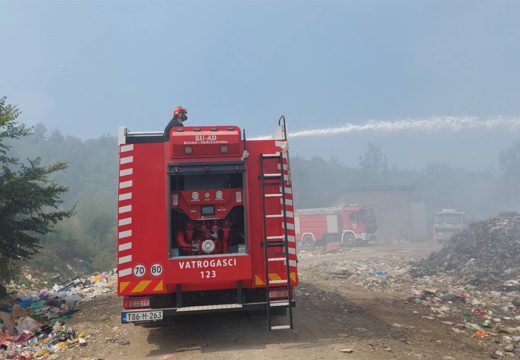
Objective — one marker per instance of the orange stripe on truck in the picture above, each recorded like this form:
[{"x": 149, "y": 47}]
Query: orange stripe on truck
[
  {"x": 259, "y": 279},
  {"x": 159, "y": 286},
  {"x": 141, "y": 286},
  {"x": 123, "y": 285}
]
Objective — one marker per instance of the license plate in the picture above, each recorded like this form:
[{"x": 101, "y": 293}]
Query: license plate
[{"x": 141, "y": 316}]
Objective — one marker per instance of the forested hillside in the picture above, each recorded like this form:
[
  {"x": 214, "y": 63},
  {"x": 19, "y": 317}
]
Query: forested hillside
[{"x": 86, "y": 241}]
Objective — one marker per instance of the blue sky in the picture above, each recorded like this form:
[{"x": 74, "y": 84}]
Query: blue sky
[{"x": 87, "y": 67}]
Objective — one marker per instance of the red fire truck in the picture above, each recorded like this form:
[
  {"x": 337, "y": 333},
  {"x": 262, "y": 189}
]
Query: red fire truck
[
  {"x": 205, "y": 223},
  {"x": 349, "y": 224}
]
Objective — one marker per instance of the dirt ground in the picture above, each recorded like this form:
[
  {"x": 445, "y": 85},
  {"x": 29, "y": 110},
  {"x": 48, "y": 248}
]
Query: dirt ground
[{"x": 331, "y": 317}]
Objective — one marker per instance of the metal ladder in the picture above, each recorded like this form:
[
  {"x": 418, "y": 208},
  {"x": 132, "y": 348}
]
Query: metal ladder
[{"x": 275, "y": 241}]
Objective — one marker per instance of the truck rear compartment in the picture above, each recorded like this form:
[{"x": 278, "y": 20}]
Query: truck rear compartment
[{"x": 205, "y": 233}]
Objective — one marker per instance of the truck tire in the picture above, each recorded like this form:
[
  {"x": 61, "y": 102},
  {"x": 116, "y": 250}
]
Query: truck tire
[
  {"x": 348, "y": 239},
  {"x": 308, "y": 241}
]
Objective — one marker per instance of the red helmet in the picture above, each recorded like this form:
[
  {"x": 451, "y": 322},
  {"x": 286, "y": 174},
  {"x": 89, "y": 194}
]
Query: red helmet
[{"x": 179, "y": 110}]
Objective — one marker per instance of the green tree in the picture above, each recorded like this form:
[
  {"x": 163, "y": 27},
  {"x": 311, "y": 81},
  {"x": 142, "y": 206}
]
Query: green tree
[
  {"x": 373, "y": 166},
  {"x": 29, "y": 200},
  {"x": 373, "y": 160}
]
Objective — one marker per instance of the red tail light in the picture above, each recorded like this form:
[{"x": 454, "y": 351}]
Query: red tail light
[{"x": 136, "y": 303}]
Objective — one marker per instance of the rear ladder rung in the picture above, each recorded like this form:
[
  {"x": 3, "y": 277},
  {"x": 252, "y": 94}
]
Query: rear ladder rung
[
  {"x": 271, "y": 156},
  {"x": 275, "y": 237},
  {"x": 272, "y": 195},
  {"x": 280, "y": 327},
  {"x": 278, "y": 303},
  {"x": 275, "y": 244},
  {"x": 274, "y": 216},
  {"x": 272, "y": 176},
  {"x": 276, "y": 259}
]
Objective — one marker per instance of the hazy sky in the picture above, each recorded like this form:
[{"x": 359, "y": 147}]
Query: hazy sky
[{"x": 87, "y": 67}]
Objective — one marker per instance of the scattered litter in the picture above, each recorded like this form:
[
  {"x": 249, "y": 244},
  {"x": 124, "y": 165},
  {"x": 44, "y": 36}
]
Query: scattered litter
[
  {"x": 480, "y": 333},
  {"x": 34, "y": 324}
]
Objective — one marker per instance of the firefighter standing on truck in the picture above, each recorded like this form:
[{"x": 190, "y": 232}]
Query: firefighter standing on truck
[{"x": 179, "y": 116}]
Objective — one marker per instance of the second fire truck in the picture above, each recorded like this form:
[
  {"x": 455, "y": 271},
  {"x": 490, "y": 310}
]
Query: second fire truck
[{"x": 349, "y": 224}]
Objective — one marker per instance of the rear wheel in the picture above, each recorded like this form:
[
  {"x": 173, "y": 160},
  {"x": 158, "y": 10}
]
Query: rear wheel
[
  {"x": 308, "y": 241},
  {"x": 348, "y": 239}
]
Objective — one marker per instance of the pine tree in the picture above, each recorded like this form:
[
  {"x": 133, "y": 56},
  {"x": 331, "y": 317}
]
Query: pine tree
[{"x": 29, "y": 199}]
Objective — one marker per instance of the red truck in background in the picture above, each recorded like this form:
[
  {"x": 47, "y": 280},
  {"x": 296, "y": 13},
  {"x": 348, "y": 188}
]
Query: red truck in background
[
  {"x": 205, "y": 224},
  {"x": 349, "y": 224}
]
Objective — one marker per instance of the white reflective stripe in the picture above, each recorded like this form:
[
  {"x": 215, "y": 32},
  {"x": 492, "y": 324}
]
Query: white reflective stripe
[
  {"x": 289, "y": 214},
  {"x": 125, "y": 272},
  {"x": 288, "y": 202},
  {"x": 126, "y": 221},
  {"x": 126, "y": 172},
  {"x": 288, "y": 190},
  {"x": 289, "y": 226},
  {"x": 125, "y": 184},
  {"x": 292, "y": 250},
  {"x": 125, "y": 259},
  {"x": 290, "y": 238},
  {"x": 125, "y": 246},
  {"x": 280, "y": 281},
  {"x": 125, "y": 196},
  {"x": 126, "y": 148},
  {"x": 125, "y": 234},
  {"x": 126, "y": 160},
  {"x": 209, "y": 307},
  {"x": 125, "y": 209},
  {"x": 284, "y": 167},
  {"x": 292, "y": 262}
]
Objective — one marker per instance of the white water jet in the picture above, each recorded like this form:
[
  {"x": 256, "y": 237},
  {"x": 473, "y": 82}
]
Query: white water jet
[{"x": 447, "y": 123}]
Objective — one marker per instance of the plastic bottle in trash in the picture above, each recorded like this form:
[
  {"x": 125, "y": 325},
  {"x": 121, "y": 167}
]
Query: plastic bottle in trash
[{"x": 466, "y": 315}]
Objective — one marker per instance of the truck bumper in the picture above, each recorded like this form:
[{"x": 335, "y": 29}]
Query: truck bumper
[{"x": 132, "y": 316}]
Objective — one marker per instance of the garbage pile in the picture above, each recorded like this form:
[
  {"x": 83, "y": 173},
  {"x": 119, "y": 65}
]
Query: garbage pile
[
  {"x": 472, "y": 285},
  {"x": 33, "y": 324},
  {"x": 486, "y": 254}
]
